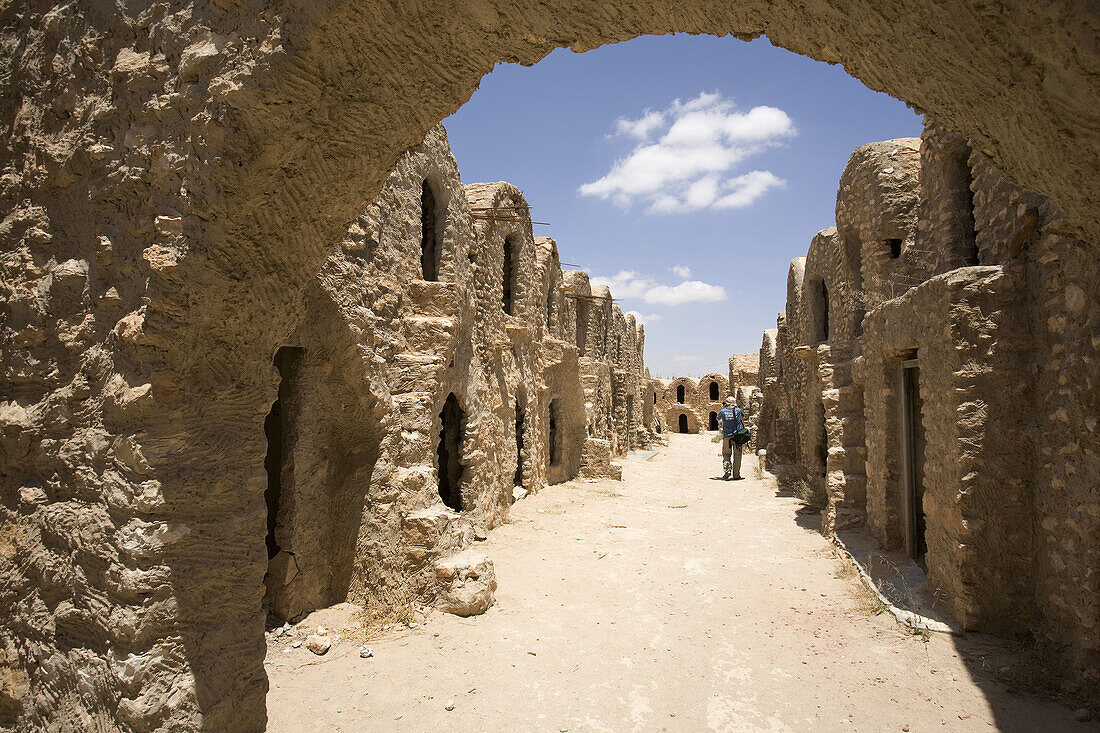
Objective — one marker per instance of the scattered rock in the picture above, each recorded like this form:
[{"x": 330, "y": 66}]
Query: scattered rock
[
  {"x": 318, "y": 644},
  {"x": 296, "y": 643},
  {"x": 450, "y": 705},
  {"x": 466, "y": 583},
  {"x": 365, "y": 652}
]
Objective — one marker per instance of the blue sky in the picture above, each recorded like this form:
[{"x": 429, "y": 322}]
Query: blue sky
[{"x": 686, "y": 171}]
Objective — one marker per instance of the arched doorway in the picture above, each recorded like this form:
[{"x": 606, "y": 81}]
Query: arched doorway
[
  {"x": 429, "y": 236},
  {"x": 713, "y": 421},
  {"x": 680, "y": 393},
  {"x": 683, "y": 423},
  {"x": 449, "y": 453},
  {"x": 714, "y": 391}
]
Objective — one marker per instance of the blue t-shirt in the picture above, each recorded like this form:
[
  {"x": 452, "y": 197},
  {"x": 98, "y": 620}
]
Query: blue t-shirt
[{"x": 731, "y": 420}]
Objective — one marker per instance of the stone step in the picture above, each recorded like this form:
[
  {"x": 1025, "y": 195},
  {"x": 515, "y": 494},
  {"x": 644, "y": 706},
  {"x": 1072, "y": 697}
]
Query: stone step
[
  {"x": 429, "y": 334},
  {"x": 431, "y": 298},
  {"x": 410, "y": 372},
  {"x": 414, "y": 411}
]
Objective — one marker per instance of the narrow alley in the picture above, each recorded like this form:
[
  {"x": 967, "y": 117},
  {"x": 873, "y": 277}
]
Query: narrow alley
[{"x": 668, "y": 601}]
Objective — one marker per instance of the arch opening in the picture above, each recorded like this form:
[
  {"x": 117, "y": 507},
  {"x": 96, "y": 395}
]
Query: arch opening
[
  {"x": 429, "y": 234},
  {"x": 713, "y": 425},
  {"x": 449, "y": 453},
  {"x": 553, "y": 452},
  {"x": 508, "y": 287},
  {"x": 520, "y": 428},
  {"x": 683, "y": 423},
  {"x": 714, "y": 391},
  {"x": 680, "y": 393}
]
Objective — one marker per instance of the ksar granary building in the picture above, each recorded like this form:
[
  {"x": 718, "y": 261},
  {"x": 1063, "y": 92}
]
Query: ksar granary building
[{"x": 262, "y": 350}]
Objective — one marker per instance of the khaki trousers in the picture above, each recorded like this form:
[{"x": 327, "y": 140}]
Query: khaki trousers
[{"x": 730, "y": 449}]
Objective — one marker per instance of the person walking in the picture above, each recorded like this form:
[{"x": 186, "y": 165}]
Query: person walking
[{"x": 731, "y": 418}]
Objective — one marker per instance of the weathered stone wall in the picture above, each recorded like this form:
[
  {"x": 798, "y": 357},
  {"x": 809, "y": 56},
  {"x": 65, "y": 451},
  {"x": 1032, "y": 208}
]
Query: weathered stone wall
[
  {"x": 1029, "y": 236},
  {"x": 985, "y": 286},
  {"x": 352, "y": 477},
  {"x": 965, "y": 330},
  {"x": 744, "y": 370},
  {"x": 766, "y": 384}
]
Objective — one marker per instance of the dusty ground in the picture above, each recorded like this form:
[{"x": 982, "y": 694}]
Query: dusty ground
[{"x": 668, "y": 601}]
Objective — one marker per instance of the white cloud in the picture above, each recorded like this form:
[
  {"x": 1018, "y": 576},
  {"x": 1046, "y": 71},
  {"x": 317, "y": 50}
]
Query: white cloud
[
  {"x": 689, "y": 291},
  {"x": 681, "y": 271},
  {"x": 641, "y": 127},
  {"x": 638, "y": 317},
  {"x": 684, "y": 154},
  {"x": 631, "y": 285}
]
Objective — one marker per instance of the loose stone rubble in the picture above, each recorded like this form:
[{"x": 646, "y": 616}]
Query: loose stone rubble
[
  {"x": 936, "y": 373},
  {"x": 174, "y": 176}
]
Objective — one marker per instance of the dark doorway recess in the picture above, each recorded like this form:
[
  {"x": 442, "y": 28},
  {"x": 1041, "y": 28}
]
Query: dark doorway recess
[
  {"x": 683, "y": 423},
  {"x": 450, "y": 453},
  {"x": 554, "y": 438},
  {"x": 912, "y": 435},
  {"x": 713, "y": 391},
  {"x": 894, "y": 245},
  {"x": 279, "y": 429},
  {"x": 508, "y": 292},
  {"x": 680, "y": 393},
  {"x": 429, "y": 244},
  {"x": 823, "y": 440},
  {"x": 518, "y": 480},
  {"x": 629, "y": 420},
  {"x": 713, "y": 421},
  {"x": 582, "y": 326},
  {"x": 821, "y": 311}
]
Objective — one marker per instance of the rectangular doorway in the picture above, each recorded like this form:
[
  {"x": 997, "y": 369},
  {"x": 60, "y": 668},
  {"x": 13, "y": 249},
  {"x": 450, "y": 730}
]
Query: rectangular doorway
[{"x": 912, "y": 453}]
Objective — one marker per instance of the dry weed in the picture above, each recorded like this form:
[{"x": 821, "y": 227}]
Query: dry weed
[{"x": 811, "y": 495}]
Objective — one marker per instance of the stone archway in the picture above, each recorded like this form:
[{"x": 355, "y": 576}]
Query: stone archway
[{"x": 250, "y": 126}]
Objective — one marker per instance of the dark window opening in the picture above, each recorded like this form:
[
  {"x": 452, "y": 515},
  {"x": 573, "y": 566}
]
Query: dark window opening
[
  {"x": 714, "y": 390},
  {"x": 550, "y": 307},
  {"x": 912, "y": 433},
  {"x": 713, "y": 421},
  {"x": 507, "y": 294},
  {"x": 821, "y": 311},
  {"x": 582, "y": 327},
  {"x": 553, "y": 438},
  {"x": 429, "y": 246},
  {"x": 518, "y": 480},
  {"x": 683, "y": 423},
  {"x": 655, "y": 398},
  {"x": 278, "y": 428},
  {"x": 629, "y": 420},
  {"x": 823, "y": 443},
  {"x": 680, "y": 393},
  {"x": 449, "y": 453},
  {"x": 895, "y": 248}
]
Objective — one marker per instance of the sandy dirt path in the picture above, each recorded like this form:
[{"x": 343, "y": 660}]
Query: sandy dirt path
[{"x": 669, "y": 601}]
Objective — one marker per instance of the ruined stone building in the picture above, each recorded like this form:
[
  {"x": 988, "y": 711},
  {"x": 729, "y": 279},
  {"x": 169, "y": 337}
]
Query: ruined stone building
[
  {"x": 687, "y": 405},
  {"x": 936, "y": 373},
  {"x": 178, "y": 182},
  {"x": 443, "y": 370}
]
